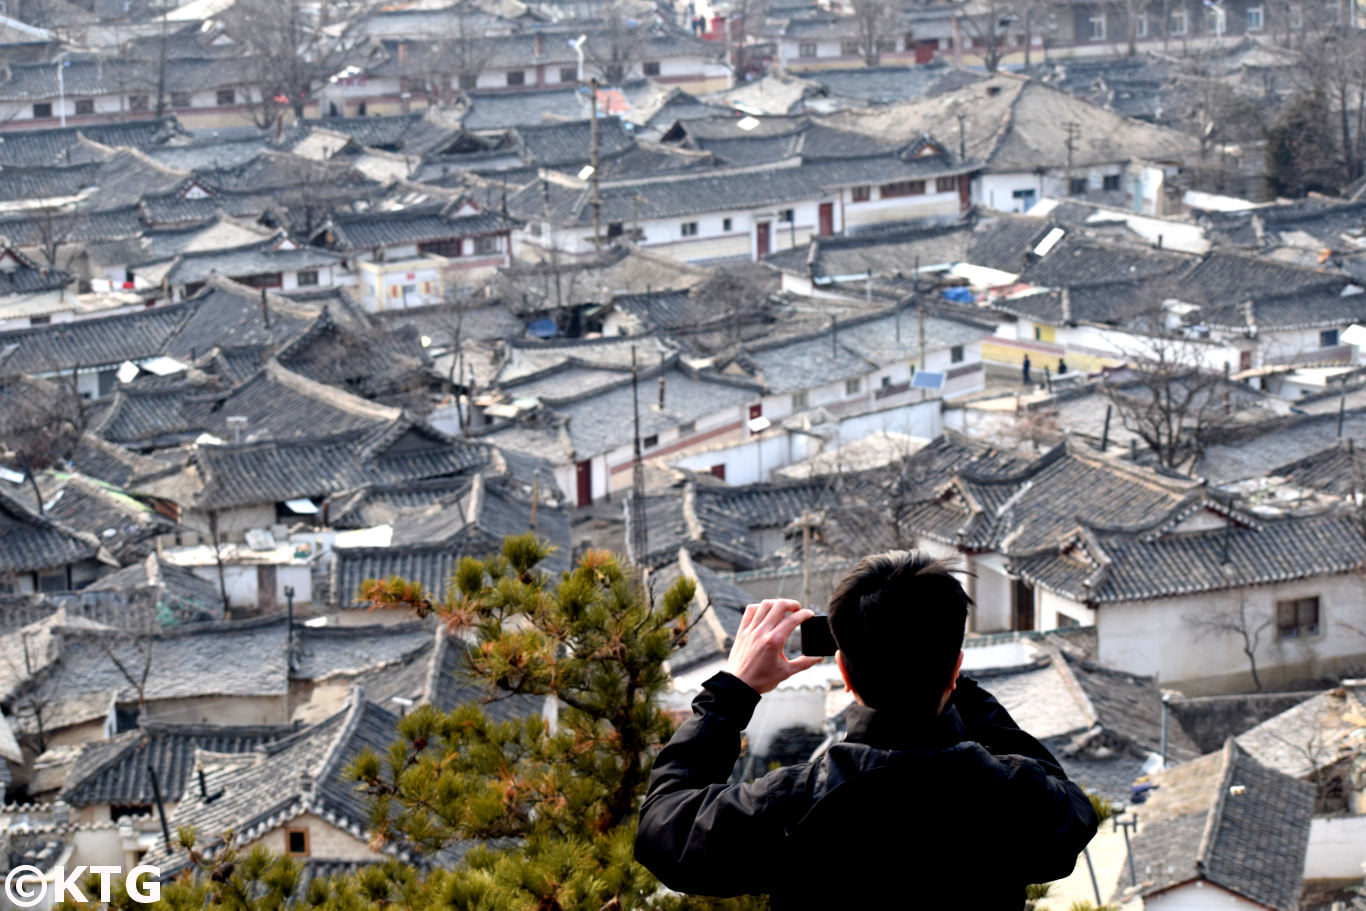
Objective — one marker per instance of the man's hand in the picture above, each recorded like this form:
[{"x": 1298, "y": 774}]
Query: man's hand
[{"x": 757, "y": 656}]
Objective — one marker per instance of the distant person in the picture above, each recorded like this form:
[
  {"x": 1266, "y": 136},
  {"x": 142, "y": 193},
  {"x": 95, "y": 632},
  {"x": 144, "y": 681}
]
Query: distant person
[
  {"x": 1062, "y": 366},
  {"x": 934, "y": 799},
  {"x": 1024, "y": 370}
]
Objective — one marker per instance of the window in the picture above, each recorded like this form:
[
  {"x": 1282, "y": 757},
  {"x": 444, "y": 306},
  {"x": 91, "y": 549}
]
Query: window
[
  {"x": 726, "y": 224},
  {"x": 1097, "y": 21},
  {"x": 263, "y": 280},
  {"x": 1110, "y": 183},
  {"x": 853, "y": 387},
  {"x": 787, "y": 215},
  {"x": 85, "y": 105},
  {"x": 886, "y": 45},
  {"x": 651, "y": 441},
  {"x": 308, "y": 277},
  {"x": 567, "y": 74},
  {"x": 39, "y": 320},
  {"x": 687, "y": 427},
  {"x": 1024, "y": 199},
  {"x": 945, "y": 184},
  {"x": 862, "y": 194},
  {"x": 470, "y": 80},
  {"x": 956, "y": 354},
  {"x": 1141, "y": 26},
  {"x": 1076, "y": 186},
  {"x": 483, "y": 246},
  {"x": 650, "y": 67},
  {"x": 296, "y": 842},
  {"x": 42, "y": 109},
  {"x": 800, "y": 401},
  {"x": 903, "y": 188},
  {"x": 1254, "y": 18},
  {"x": 440, "y": 248},
  {"x": 886, "y": 382},
  {"x": 180, "y": 99},
  {"x": 225, "y": 98},
  {"x": 849, "y": 47},
  {"x": 516, "y": 77},
  {"x": 137, "y": 102},
  {"x": 1178, "y": 23},
  {"x": 1296, "y": 16},
  {"x": 615, "y": 229},
  {"x": 1297, "y": 617},
  {"x": 806, "y": 49},
  {"x": 688, "y": 229},
  {"x": 1066, "y": 622},
  {"x": 1328, "y": 338}
]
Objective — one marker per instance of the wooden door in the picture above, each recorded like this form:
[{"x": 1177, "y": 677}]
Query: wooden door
[
  {"x": 1022, "y": 594},
  {"x": 583, "y": 473},
  {"x": 761, "y": 238},
  {"x": 719, "y": 471},
  {"x": 827, "y": 219}
]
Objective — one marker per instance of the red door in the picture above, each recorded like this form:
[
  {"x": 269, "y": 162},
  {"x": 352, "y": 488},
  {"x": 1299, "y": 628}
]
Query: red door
[
  {"x": 719, "y": 471},
  {"x": 964, "y": 192},
  {"x": 924, "y": 50},
  {"x": 827, "y": 215},
  {"x": 584, "y": 475},
  {"x": 761, "y": 238}
]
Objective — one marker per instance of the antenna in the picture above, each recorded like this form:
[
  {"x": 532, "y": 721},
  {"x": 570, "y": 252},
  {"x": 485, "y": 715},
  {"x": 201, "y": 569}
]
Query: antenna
[{"x": 638, "y": 537}]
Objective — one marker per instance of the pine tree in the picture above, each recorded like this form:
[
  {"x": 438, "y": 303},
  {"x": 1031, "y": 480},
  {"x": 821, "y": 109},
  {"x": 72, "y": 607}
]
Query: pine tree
[{"x": 544, "y": 814}]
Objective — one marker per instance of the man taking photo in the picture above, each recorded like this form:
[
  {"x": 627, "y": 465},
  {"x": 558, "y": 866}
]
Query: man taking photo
[{"x": 935, "y": 796}]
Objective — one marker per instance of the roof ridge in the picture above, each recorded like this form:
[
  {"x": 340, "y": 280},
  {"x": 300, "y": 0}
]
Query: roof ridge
[
  {"x": 1213, "y": 820},
  {"x": 347, "y": 729},
  {"x": 333, "y": 395}
]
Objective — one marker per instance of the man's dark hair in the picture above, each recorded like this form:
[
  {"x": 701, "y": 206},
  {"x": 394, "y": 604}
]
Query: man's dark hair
[{"x": 898, "y": 619}]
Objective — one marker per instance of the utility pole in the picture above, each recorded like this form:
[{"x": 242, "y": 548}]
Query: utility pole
[
  {"x": 1073, "y": 132},
  {"x": 595, "y": 200},
  {"x": 638, "y": 537}
]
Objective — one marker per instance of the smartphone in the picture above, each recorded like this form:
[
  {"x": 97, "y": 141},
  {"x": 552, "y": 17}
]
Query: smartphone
[{"x": 817, "y": 639}]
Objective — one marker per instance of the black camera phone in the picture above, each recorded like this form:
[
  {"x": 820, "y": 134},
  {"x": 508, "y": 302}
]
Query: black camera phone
[{"x": 817, "y": 639}]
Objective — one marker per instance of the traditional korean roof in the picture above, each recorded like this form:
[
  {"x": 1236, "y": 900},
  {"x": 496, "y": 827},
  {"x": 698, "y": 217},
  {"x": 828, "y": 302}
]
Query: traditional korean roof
[
  {"x": 1314, "y": 735},
  {"x": 44, "y": 148},
  {"x": 368, "y": 231},
  {"x": 97, "y": 458},
  {"x": 115, "y": 771},
  {"x": 690, "y": 519},
  {"x": 125, "y": 527},
  {"x": 274, "y": 471},
  {"x": 1160, "y": 561},
  {"x": 714, "y": 617},
  {"x": 1339, "y": 470},
  {"x": 253, "y": 793},
  {"x": 108, "y": 340},
  {"x": 30, "y": 542},
  {"x": 1227, "y": 820}
]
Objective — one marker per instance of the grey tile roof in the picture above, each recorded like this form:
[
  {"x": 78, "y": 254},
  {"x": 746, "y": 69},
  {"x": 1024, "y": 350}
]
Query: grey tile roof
[
  {"x": 302, "y": 773},
  {"x": 121, "y": 467},
  {"x": 103, "y": 341},
  {"x": 30, "y": 542},
  {"x": 1096, "y": 566},
  {"x": 87, "y": 75},
  {"x": 88, "y": 227},
  {"x": 1236, "y": 453},
  {"x": 274, "y": 471},
  {"x": 1007, "y": 242},
  {"x": 430, "y": 564},
  {"x": 44, "y": 148},
  {"x": 1227, "y": 820},
  {"x": 410, "y": 226},
  {"x": 180, "y": 595},
  {"x": 714, "y": 616},
  {"x": 237, "y": 263},
  {"x": 1315, "y": 734},
  {"x": 125, "y": 527},
  {"x": 390, "y": 132},
  {"x": 889, "y": 84},
  {"x": 1038, "y": 506},
  {"x": 886, "y": 254},
  {"x": 1339, "y": 470},
  {"x": 323, "y": 652},
  {"x": 229, "y": 658},
  {"x": 692, "y": 519},
  {"x": 373, "y": 365},
  {"x": 1080, "y": 261},
  {"x": 281, "y": 405},
  {"x": 114, "y": 771},
  {"x": 379, "y": 504}
]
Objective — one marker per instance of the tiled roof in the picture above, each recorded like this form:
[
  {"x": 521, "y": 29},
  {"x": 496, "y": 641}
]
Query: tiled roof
[
  {"x": 44, "y": 148},
  {"x": 430, "y": 564},
  {"x": 114, "y": 771},
  {"x": 692, "y": 519},
  {"x": 274, "y": 471},
  {"x": 714, "y": 617},
  {"x": 123, "y": 526},
  {"x": 1097, "y": 566},
  {"x": 1237, "y": 453},
  {"x": 106, "y": 461},
  {"x": 1007, "y": 242},
  {"x": 180, "y": 595},
  {"x": 1339, "y": 470},
  {"x": 31, "y": 542},
  {"x": 379, "y": 504},
  {"x": 99, "y": 342},
  {"x": 328, "y": 651},
  {"x": 281, "y": 405},
  {"x": 302, "y": 773},
  {"x": 1316, "y": 734},
  {"x": 1227, "y": 820},
  {"x": 383, "y": 229},
  {"x": 1038, "y": 506}
]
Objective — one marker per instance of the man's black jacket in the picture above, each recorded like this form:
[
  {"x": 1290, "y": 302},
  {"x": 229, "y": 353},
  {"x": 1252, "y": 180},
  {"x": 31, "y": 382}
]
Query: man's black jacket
[{"x": 963, "y": 808}]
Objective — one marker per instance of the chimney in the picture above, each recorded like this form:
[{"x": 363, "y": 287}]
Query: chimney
[
  {"x": 1159, "y": 241},
  {"x": 834, "y": 336},
  {"x": 661, "y": 392},
  {"x": 265, "y": 311}
]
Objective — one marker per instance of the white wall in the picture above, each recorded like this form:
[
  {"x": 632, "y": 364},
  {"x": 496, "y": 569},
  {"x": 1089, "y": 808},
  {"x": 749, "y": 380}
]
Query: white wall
[
  {"x": 1157, "y": 637},
  {"x": 1337, "y": 847},
  {"x": 991, "y": 611},
  {"x": 1199, "y": 896}
]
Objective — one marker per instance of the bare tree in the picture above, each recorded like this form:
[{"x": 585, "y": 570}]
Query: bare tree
[
  {"x": 1336, "y": 69},
  {"x": 875, "y": 20},
  {"x": 991, "y": 27},
  {"x": 745, "y": 18},
  {"x": 1132, "y": 12},
  {"x": 618, "y": 44},
  {"x": 292, "y": 47},
  {"x": 1234, "y": 620},
  {"x": 1170, "y": 400},
  {"x": 40, "y": 424},
  {"x": 130, "y": 651}
]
